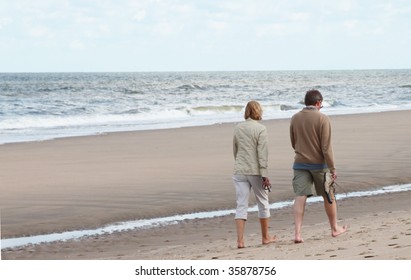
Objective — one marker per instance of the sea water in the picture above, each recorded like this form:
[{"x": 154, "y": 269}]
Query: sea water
[{"x": 41, "y": 106}]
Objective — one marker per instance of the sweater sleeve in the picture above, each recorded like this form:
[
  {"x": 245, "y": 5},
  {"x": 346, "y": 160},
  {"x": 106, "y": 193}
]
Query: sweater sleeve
[
  {"x": 292, "y": 139},
  {"x": 326, "y": 144}
]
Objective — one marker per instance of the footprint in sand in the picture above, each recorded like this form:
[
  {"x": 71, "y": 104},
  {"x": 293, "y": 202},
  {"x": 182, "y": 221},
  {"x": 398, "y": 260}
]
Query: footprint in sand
[{"x": 367, "y": 255}]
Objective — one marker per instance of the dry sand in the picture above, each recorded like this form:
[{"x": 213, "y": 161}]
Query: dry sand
[{"x": 86, "y": 182}]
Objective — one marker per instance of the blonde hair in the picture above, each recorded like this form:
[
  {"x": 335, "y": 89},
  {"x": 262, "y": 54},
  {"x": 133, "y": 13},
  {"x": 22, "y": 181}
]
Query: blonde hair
[{"x": 253, "y": 110}]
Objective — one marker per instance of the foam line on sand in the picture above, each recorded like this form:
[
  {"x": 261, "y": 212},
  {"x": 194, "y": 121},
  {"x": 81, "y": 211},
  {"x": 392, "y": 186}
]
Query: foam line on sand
[{"x": 164, "y": 221}]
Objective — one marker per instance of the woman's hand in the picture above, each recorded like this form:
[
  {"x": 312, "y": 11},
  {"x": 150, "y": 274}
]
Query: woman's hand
[{"x": 266, "y": 184}]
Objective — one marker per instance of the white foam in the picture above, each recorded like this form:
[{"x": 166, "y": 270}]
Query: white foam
[{"x": 164, "y": 221}]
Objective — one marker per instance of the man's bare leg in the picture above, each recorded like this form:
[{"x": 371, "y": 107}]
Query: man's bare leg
[
  {"x": 240, "y": 225},
  {"x": 298, "y": 211},
  {"x": 266, "y": 238},
  {"x": 331, "y": 210}
]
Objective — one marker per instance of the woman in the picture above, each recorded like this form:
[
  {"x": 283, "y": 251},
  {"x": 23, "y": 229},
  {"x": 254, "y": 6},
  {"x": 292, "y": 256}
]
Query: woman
[{"x": 250, "y": 146}]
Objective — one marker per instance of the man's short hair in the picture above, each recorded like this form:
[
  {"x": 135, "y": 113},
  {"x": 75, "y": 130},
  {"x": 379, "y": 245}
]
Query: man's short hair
[{"x": 312, "y": 96}]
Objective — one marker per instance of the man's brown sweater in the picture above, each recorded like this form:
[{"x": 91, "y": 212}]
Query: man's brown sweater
[{"x": 310, "y": 133}]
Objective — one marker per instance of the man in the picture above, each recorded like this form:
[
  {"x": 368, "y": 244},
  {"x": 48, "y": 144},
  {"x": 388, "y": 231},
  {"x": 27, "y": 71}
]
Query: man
[{"x": 310, "y": 133}]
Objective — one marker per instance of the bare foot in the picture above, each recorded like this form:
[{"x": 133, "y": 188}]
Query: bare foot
[
  {"x": 272, "y": 239},
  {"x": 340, "y": 230},
  {"x": 298, "y": 239},
  {"x": 240, "y": 245}
]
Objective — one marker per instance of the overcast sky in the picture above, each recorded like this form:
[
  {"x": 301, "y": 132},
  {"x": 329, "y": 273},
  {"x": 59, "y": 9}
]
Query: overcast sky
[{"x": 203, "y": 35}]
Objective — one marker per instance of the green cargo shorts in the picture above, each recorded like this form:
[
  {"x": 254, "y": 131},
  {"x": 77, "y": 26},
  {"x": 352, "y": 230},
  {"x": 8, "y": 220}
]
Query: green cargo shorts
[{"x": 309, "y": 182}]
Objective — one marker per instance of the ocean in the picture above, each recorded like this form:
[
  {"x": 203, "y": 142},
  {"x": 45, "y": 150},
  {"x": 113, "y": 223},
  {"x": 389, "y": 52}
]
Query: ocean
[{"x": 42, "y": 106}]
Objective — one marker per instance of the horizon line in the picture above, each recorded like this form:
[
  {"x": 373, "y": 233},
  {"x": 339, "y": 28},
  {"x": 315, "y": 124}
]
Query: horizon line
[{"x": 205, "y": 71}]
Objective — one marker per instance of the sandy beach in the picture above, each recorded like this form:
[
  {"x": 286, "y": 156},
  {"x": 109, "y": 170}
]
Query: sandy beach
[{"x": 86, "y": 182}]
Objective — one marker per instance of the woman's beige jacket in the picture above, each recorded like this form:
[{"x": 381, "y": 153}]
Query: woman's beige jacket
[{"x": 250, "y": 147}]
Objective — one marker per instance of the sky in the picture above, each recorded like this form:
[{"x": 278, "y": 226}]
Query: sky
[{"x": 203, "y": 35}]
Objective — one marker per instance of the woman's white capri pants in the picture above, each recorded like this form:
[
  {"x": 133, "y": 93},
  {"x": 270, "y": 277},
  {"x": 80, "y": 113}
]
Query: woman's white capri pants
[{"x": 243, "y": 185}]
